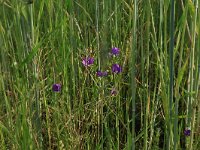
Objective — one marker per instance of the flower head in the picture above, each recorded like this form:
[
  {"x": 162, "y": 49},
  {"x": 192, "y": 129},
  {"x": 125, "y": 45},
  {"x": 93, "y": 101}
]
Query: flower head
[
  {"x": 116, "y": 68},
  {"x": 87, "y": 61},
  {"x": 56, "y": 87},
  {"x": 102, "y": 74},
  {"x": 115, "y": 51},
  {"x": 187, "y": 132},
  {"x": 113, "y": 92}
]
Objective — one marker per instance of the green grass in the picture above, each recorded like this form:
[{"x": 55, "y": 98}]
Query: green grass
[{"x": 158, "y": 90}]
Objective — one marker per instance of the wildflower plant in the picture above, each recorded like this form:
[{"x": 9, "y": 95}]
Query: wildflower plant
[
  {"x": 102, "y": 73},
  {"x": 110, "y": 74},
  {"x": 115, "y": 51},
  {"x": 88, "y": 61},
  {"x": 56, "y": 87},
  {"x": 116, "y": 68},
  {"x": 187, "y": 132}
]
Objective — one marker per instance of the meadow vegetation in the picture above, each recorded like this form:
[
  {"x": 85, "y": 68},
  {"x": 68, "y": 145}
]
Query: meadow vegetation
[{"x": 99, "y": 74}]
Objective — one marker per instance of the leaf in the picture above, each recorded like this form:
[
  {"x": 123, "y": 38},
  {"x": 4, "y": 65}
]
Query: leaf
[
  {"x": 4, "y": 129},
  {"x": 180, "y": 76},
  {"x": 191, "y": 8},
  {"x": 30, "y": 55}
]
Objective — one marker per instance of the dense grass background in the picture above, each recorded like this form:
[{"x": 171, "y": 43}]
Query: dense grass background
[{"x": 43, "y": 42}]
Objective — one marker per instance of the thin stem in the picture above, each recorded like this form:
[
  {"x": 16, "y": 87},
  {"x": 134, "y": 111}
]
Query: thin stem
[
  {"x": 133, "y": 70},
  {"x": 171, "y": 68}
]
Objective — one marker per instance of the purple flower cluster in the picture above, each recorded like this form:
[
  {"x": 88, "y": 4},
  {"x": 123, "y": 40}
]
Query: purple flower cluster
[
  {"x": 116, "y": 68},
  {"x": 115, "y": 51},
  {"x": 56, "y": 87},
  {"x": 101, "y": 73},
  {"x": 88, "y": 61},
  {"x": 187, "y": 132}
]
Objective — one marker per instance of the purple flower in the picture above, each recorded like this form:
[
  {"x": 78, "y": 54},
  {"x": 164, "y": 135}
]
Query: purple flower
[
  {"x": 187, "y": 132},
  {"x": 113, "y": 92},
  {"x": 115, "y": 51},
  {"x": 102, "y": 74},
  {"x": 116, "y": 68},
  {"x": 88, "y": 61},
  {"x": 56, "y": 87}
]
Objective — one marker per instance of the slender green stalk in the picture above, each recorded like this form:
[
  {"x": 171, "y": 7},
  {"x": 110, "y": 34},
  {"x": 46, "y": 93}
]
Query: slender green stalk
[
  {"x": 171, "y": 67},
  {"x": 147, "y": 95},
  {"x": 37, "y": 119},
  {"x": 133, "y": 70},
  {"x": 192, "y": 76},
  {"x": 116, "y": 38},
  {"x": 98, "y": 54}
]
